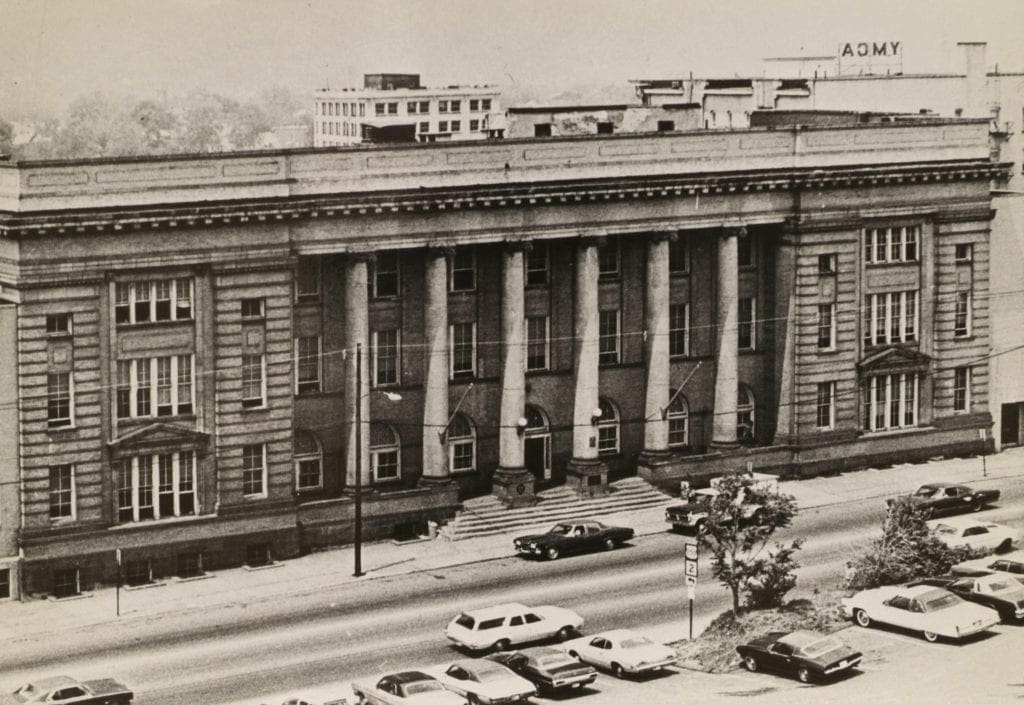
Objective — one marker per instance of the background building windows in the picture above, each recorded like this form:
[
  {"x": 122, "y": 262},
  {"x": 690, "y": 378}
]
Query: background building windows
[
  {"x": 608, "y": 428},
  {"x": 826, "y": 326},
  {"x": 962, "y": 315},
  {"x": 308, "y": 461},
  {"x": 964, "y": 252},
  {"x": 537, "y": 265},
  {"x": 537, "y": 343},
  {"x": 827, "y": 264},
  {"x": 890, "y": 401},
  {"x": 679, "y": 255},
  {"x": 745, "y": 251},
  {"x": 385, "y": 453},
  {"x": 462, "y": 344},
  {"x": 826, "y": 406},
  {"x": 62, "y": 492},
  {"x": 891, "y": 244},
  {"x": 890, "y": 318},
  {"x": 962, "y": 389},
  {"x": 385, "y": 357},
  {"x": 385, "y": 275},
  {"x": 135, "y": 389},
  {"x": 254, "y": 470},
  {"x": 745, "y": 329},
  {"x": 307, "y": 364},
  {"x": 608, "y": 341},
  {"x": 58, "y": 324},
  {"x": 252, "y": 381},
  {"x": 745, "y": 410},
  {"x": 58, "y": 399},
  {"x": 678, "y": 421},
  {"x": 679, "y": 330},
  {"x": 253, "y": 309},
  {"x": 463, "y": 270},
  {"x": 144, "y": 302},
  {"x": 608, "y": 260},
  {"x": 307, "y": 279},
  {"x": 461, "y": 444}
]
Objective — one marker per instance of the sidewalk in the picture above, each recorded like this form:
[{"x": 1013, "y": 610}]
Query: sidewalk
[{"x": 320, "y": 571}]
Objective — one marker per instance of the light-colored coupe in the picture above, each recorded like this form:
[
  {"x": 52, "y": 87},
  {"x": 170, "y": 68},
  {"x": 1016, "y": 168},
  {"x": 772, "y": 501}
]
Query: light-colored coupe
[
  {"x": 484, "y": 682},
  {"x": 934, "y": 612},
  {"x": 405, "y": 688},
  {"x": 976, "y": 535},
  {"x": 621, "y": 651},
  {"x": 1011, "y": 563}
]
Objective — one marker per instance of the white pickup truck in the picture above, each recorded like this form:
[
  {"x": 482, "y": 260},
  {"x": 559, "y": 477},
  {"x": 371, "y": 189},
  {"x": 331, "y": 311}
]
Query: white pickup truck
[{"x": 691, "y": 515}]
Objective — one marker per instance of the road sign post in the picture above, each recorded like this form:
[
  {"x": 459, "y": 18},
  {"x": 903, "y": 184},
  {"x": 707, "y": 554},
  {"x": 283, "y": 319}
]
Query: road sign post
[
  {"x": 691, "y": 572},
  {"x": 984, "y": 436}
]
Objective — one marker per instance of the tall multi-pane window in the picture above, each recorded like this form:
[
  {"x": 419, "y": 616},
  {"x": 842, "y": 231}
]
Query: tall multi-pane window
[
  {"x": 537, "y": 265},
  {"x": 745, "y": 414},
  {"x": 745, "y": 251},
  {"x": 160, "y": 300},
  {"x": 252, "y": 381},
  {"x": 254, "y": 470},
  {"x": 537, "y": 343},
  {"x": 890, "y": 401},
  {"x": 385, "y": 357},
  {"x": 62, "y": 492},
  {"x": 747, "y": 339},
  {"x": 678, "y": 421},
  {"x": 679, "y": 330},
  {"x": 962, "y": 315},
  {"x": 607, "y": 428},
  {"x": 253, "y": 309},
  {"x": 890, "y": 317},
  {"x": 307, "y": 364},
  {"x": 826, "y": 406},
  {"x": 608, "y": 258},
  {"x": 898, "y": 244},
  {"x": 58, "y": 399},
  {"x": 679, "y": 256},
  {"x": 385, "y": 275},
  {"x": 461, "y": 444},
  {"x": 463, "y": 269},
  {"x": 608, "y": 341},
  {"x": 307, "y": 279},
  {"x": 164, "y": 387},
  {"x": 962, "y": 389},
  {"x": 184, "y": 402},
  {"x": 462, "y": 347},
  {"x": 308, "y": 461},
  {"x": 167, "y": 380},
  {"x": 826, "y": 326},
  {"x": 58, "y": 324},
  {"x": 385, "y": 453}
]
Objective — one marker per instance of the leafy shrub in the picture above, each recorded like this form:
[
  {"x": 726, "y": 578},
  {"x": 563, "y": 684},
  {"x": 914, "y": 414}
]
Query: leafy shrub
[{"x": 773, "y": 577}]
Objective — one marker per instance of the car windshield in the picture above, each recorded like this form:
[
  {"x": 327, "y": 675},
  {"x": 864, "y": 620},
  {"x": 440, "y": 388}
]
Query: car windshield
[
  {"x": 635, "y": 642},
  {"x": 485, "y": 672},
  {"x": 561, "y": 529},
  {"x": 926, "y": 491},
  {"x": 24, "y": 693},
  {"x": 993, "y": 587},
  {"x": 421, "y": 687},
  {"x": 554, "y": 660},
  {"x": 940, "y": 602},
  {"x": 464, "y": 620},
  {"x": 821, "y": 646}
]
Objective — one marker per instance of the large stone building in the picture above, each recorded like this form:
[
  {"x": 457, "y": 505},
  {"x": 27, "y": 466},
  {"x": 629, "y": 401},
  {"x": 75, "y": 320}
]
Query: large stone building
[{"x": 183, "y": 332}]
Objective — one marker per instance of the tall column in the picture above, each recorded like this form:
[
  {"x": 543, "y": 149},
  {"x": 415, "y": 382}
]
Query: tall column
[
  {"x": 357, "y": 333},
  {"x": 726, "y": 375},
  {"x": 585, "y": 471},
  {"x": 435, "y": 392},
  {"x": 657, "y": 346},
  {"x": 513, "y": 483}
]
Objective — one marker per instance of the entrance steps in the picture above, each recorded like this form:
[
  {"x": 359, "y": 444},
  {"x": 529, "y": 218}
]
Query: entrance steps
[{"x": 486, "y": 516}]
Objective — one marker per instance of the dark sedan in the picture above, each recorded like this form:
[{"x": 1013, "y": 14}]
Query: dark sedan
[
  {"x": 573, "y": 537},
  {"x": 938, "y": 498},
  {"x": 1001, "y": 592},
  {"x": 807, "y": 655},
  {"x": 547, "y": 668}
]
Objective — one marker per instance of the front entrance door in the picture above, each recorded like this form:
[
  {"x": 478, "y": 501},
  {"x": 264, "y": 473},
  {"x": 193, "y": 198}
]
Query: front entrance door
[
  {"x": 537, "y": 454},
  {"x": 1010, "y": 425}
]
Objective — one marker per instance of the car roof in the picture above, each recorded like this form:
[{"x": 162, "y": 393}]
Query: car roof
[
  {"x": 51, "y": 682},
  {"x": 542, "y": 651},
  {"x": 918, "y": 590},
  {"x": 801, "y": 638},
  {"x": 618, "y": 634},
  {"x": 497, "y": 610},
  {"x": 991, "y": 578},
  {"x": 403, "y": 677}
]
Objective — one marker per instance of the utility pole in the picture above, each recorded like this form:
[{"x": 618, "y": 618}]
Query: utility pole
[{"x": 358, "y": 529}]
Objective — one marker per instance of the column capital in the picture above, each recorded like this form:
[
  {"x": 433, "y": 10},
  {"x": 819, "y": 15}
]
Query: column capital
[
  {"x": 440, "y": 249},
  {"x": 362, "y": 257},
  {"x": 593, "y": 240},
  {"x": 734, "y": 230},
  {"x": 512, "y": 246},
  {"x": 664, "y": 235}
]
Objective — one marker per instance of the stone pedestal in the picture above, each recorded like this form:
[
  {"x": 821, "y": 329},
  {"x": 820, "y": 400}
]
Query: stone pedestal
[
  {"x": 588, "y": 476},
  {"x": 514, "y": 487}
]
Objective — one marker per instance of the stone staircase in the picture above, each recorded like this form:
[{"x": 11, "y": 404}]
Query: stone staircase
[{"x": 486, "y": 516}]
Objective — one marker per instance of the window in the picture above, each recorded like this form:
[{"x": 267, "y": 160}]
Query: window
[
  {"x": 485, "y": 103},
  {"x": 442, "y": 106},
  {"x": 744, "y": 251},
  {"x": 826, "y": 408},
  {"x": 542, "y": 129},
  {"x": 666, "y": 125},
  {"x": 58, "y": 399},
  {"x": 474, "y": 125},
  {"x": 605, "y": 128},
  {"x": 190, "y": 565},
  {"x": 254, "y": 470},
  {"x": 143, "y": 302},
  {"x": 744, "y": 414},
  {"x": 182, "y": 299},
  {"x": 442, "y": 126},
  {"x": 962, "y": 315},
  {"x": 537, "y": 343},
  {"x": 392, "y": 108},
  {"x": 608, "y": 341},
  {"x": 385, "y": 357},
  {"x": 826, "y": 326},
  {"x": 607, "y": 429},
  {"x": 463, "y": 270},
  {"x": 172, "y": 474},
  {"x": 461, "y": 444},
  {"x": 474, "y": 105},
  {"x": 166, "y": 379},
  {"x": 746, "y": 332},
  {"x": 455, "y": 106},
  {"x": 5, "y": 583},
  {"x": 462, "y": 344},
  {"x": 62, "y": 492},
  {"x": 307, "y": 364},
  {"x": 678, "y": 421},
  {"x": 826, "y": 264},
  {"x": 163, "y": 300},
  {"x": 964, "y": 252},
  {"x": 537, "y": 265},
  {"x": 608, "y": 260},
  {"x": 424, "y": 106},
  {"x": 679, "y": 256},
  {"x": 411, "y": 107},
  {"x": 252, "y": 381},
  {"x": 385, "y": 275},
  {"x": 890, "y": 318},
  {"x": 253, "y": 308},
  {"x": 58, "y": 324},
  {"x": 307, "y": 279},
  {"x": 962, "y": 389},
  {"x": 679, "y": 330},
  {"x": 456, "y": 125},
  {"x": 424, "y": 127},
  {"x": 65, "y": 583},
  {"x": 890, "y": 401},
  {"x": 891, "y": 244},
  {"x": 385, "y": 453},
  {"x": 308, "y": 461}
]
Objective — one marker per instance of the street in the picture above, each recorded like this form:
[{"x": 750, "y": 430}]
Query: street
[{"x": 244, "y": 651}]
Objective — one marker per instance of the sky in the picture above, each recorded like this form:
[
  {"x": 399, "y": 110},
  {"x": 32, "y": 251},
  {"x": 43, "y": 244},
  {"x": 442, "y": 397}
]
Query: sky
[{"x": 55, "y": 50}]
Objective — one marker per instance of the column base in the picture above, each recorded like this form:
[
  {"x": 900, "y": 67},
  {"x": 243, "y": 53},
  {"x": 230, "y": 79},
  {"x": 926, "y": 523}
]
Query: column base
[
  {"x": 514, "y": 487},
  {"x": 588, "y": 476},
  {"x": 429, "y": 482},
  {"x": 723, "y": 446}
]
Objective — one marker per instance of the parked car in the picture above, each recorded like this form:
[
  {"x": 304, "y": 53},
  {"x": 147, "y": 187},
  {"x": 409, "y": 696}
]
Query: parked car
[
  {"x": 1000, "y": 592},
  {"x": 502, "y": 626},
  {"x": 406, "y": 688},
  {"x": 941, "y": 497},
  {"x": 573, "y": 537},
  {"x": 547, "y": 667},
  {"x": 621, "y": 651},
  {"x": 1010, "y": 563},
  {"x": 805, "y": 654},
  {"x": 63, "y": 689},
  {"x": 485, "y": 682},
  {"x": 976, "y": 535},
  {"x": 934, "y": 612},
  {"x": 692, "y": 513}
]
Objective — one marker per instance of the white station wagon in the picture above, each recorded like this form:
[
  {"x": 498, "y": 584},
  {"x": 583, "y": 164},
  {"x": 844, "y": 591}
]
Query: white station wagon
[
  {"x": 502, "y": 626},
  {"x": 934, "y": 612}
]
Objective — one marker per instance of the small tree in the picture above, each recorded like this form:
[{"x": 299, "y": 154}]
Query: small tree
[
  {"x": 906, "y": 550},
  {"x": 773, "y": 576},
  {"x": 741, "y": 520}
]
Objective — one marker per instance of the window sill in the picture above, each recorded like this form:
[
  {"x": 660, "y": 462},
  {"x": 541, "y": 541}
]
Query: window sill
[
  {"x": 309, "y": 393},
  {"x": 385, "y": 298},
  {"x": 163, "y": 521},
  {"x": 60, "y": 429},
  {"x": 386, "y": 480},
  {"x": 462, "y": 471},
  {"x": 261, "y": 407},
  {"x": 828, "y": 351},
  {"x": 253, "y": 497},
  {"x": 958, "y": 338},
  {"x": 141, "y": 325}
]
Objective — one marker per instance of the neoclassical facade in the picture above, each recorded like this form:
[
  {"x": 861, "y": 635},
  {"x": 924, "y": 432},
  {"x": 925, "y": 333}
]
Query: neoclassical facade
[{"x": 196, "y": 337}]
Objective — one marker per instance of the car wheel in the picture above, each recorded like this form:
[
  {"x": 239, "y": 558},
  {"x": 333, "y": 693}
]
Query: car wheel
[
  {"x": 861, "y": 617},
  {"x": 572, "y": 652},
  {"x": 618, "y": 671},
  {"x": 930, "y": 636},
  {"x": 928, "y": 512},
  {"x": 472, "y": 699},
  {"x": 564, "y": 633},
  {"x": 609, "y": 544},
  {"x": 700, "y": 527},
  {"x": 551, "y": 553},
  {"x": 803, "y": 675},
  {"x": 1005, "y": 546},
  {"x": 502, "y": 645},
  {"x": 750, "y": 663},
  {"x": 977, "y": 506}
]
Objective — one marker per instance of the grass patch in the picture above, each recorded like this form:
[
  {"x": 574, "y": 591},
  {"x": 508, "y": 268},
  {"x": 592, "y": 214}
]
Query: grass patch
[{"x": 714, "y": 650}]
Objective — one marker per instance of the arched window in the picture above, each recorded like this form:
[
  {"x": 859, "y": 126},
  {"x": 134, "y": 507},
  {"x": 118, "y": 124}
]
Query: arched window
[
  {"x": 308, "y": 461},
  {"x": 744, "y": 414},
  {"x": 385, "y": 452},
  {"x": 608, "y": 428},
  {"x": 537, "y": 442},
  {"x": 461, "y": 444},
  {"x": 678, "y": 422}
]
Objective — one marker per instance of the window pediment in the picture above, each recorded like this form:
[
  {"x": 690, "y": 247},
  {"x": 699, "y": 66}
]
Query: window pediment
[
  {"x": 158, "y": 436},
  {"x": 894, "y": 359}
]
